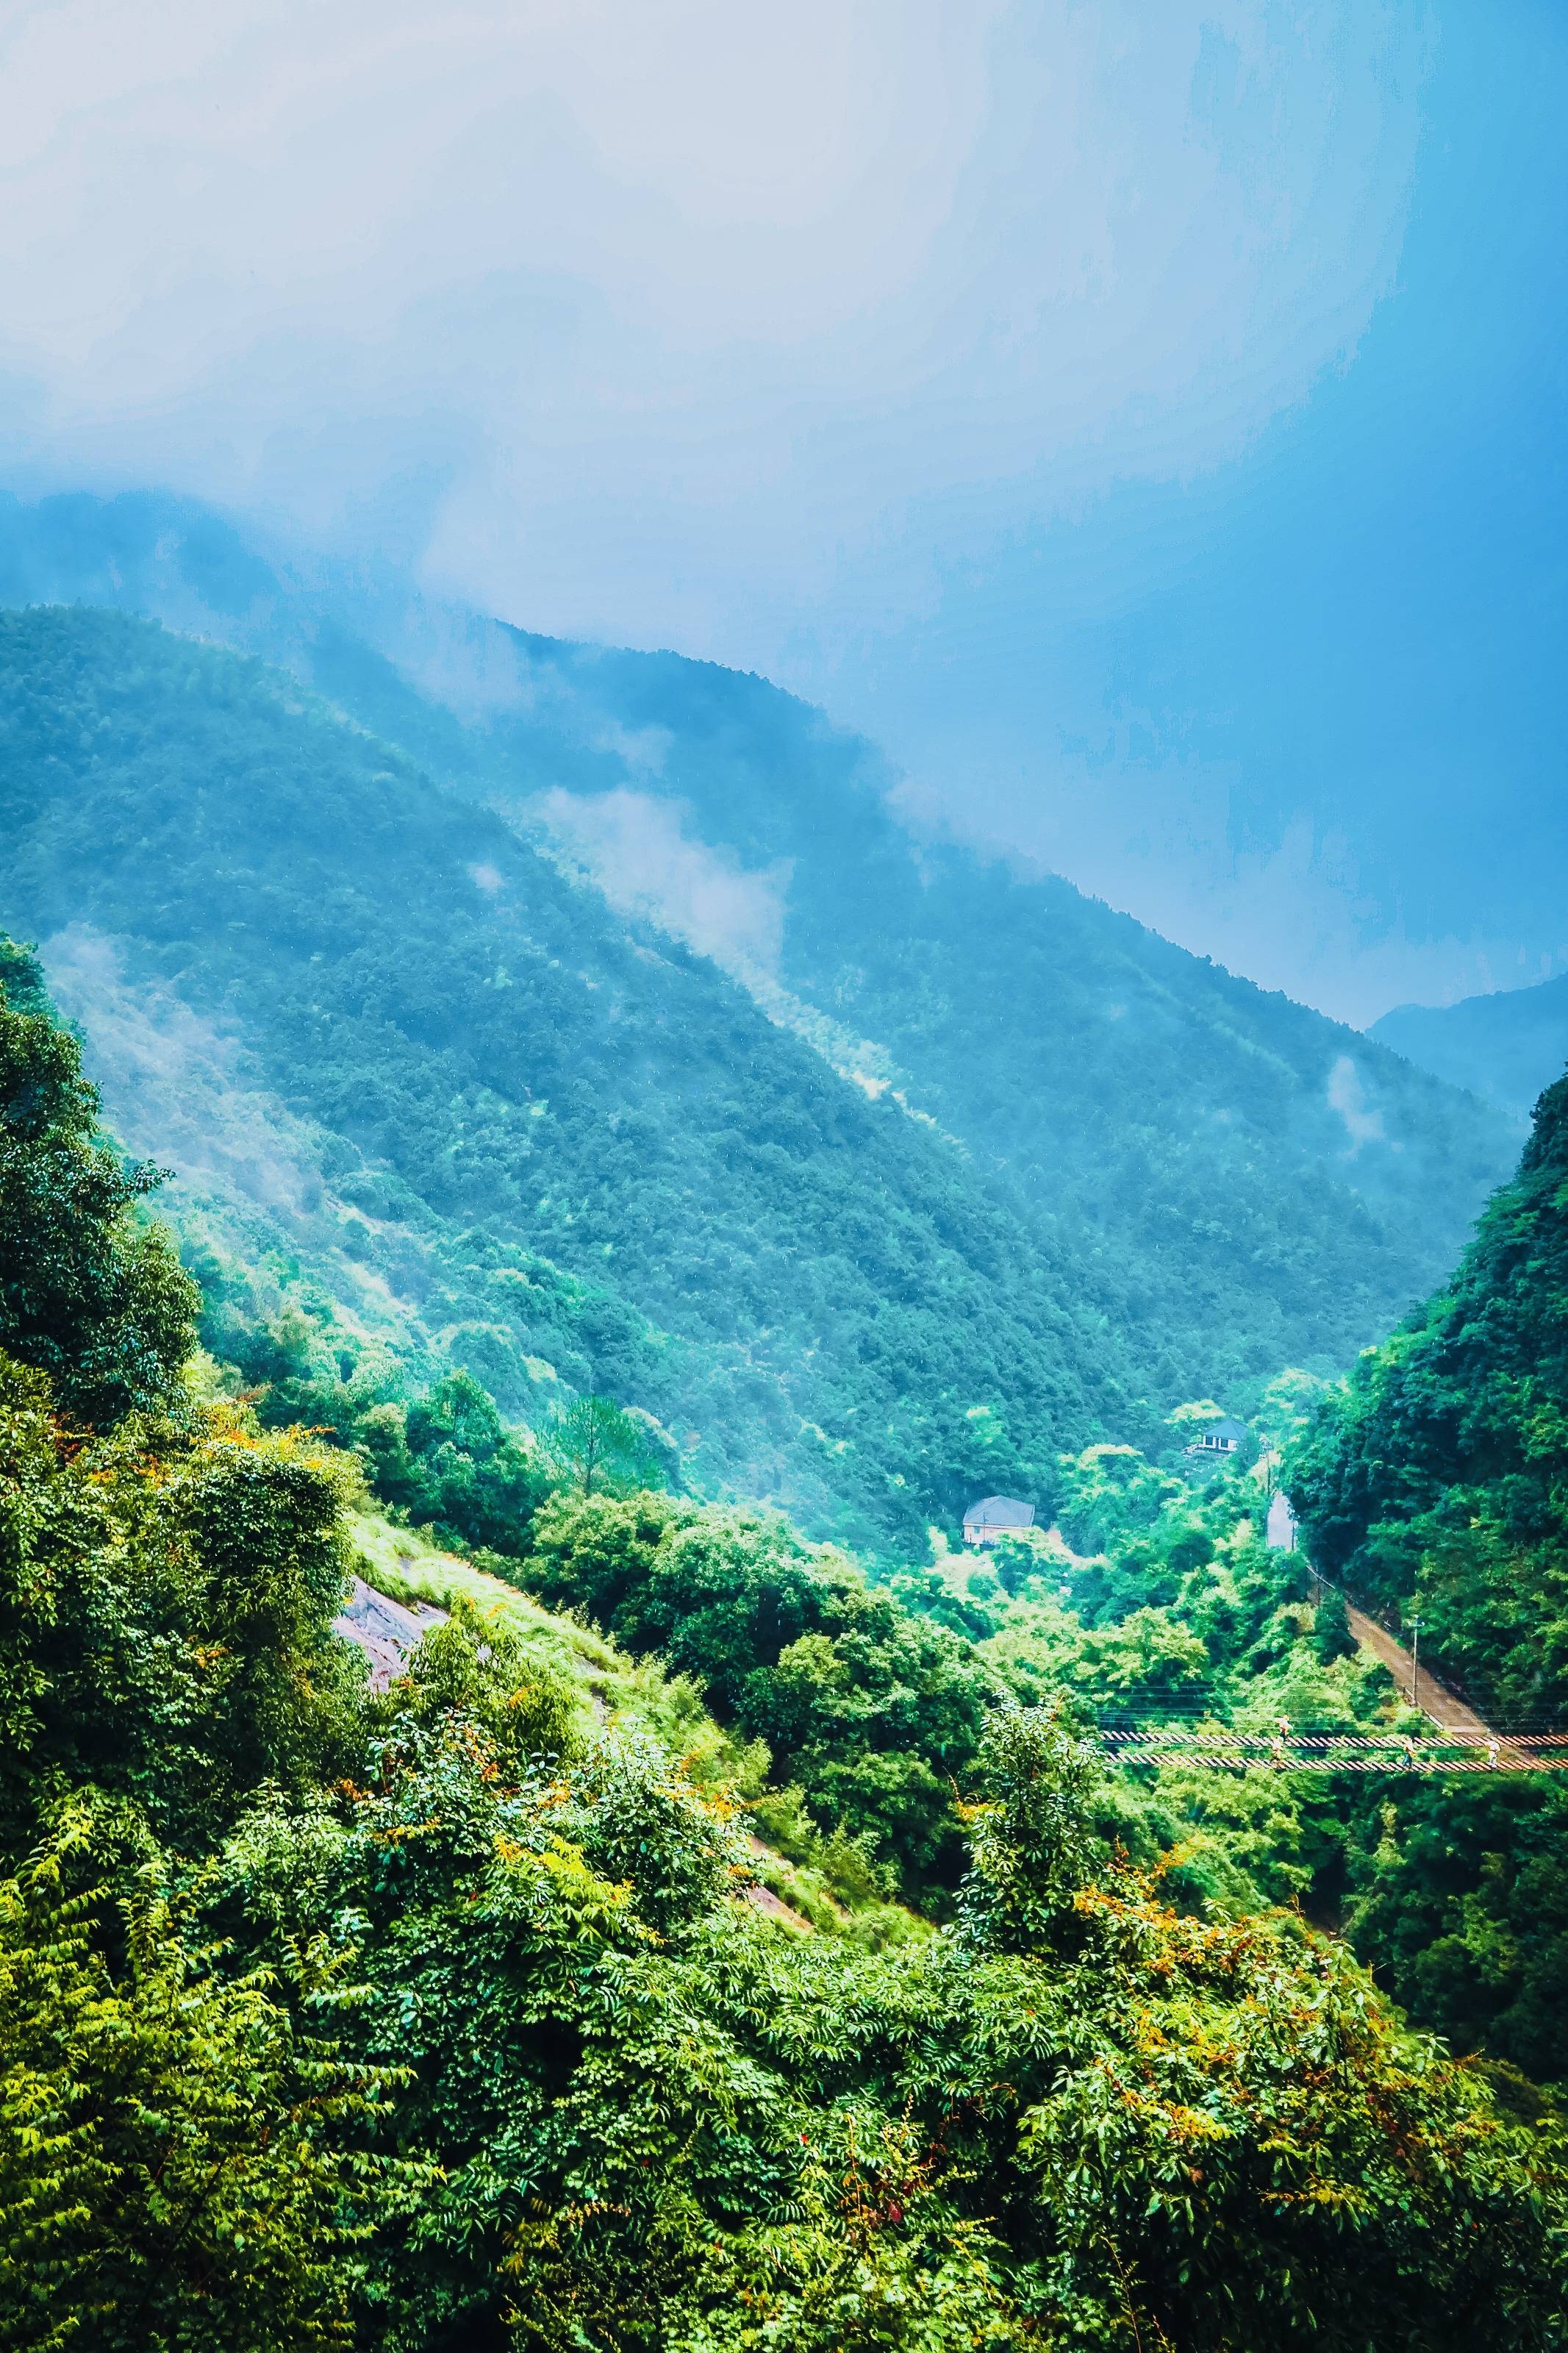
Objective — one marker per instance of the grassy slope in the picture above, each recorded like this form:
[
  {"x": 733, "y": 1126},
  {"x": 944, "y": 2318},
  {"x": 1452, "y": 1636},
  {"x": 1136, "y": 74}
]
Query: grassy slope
[{"x": 405, "y": 1565}]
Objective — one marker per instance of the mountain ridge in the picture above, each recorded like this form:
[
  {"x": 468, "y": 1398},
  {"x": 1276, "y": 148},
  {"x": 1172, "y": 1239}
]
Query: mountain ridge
[
  {"x": 1236, "y": 1182},
  {"x": 1207, "y": 1179},
  {"x": 421, "y": 989},
  {"x": 1506, "y": 1046}
]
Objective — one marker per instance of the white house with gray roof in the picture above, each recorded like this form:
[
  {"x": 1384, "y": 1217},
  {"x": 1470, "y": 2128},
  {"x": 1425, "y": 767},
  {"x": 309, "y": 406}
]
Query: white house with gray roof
[{"x": 994, "y": 1516}]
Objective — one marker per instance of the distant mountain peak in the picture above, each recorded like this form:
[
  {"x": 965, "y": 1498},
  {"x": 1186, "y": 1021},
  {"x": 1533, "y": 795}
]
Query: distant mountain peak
[{"x": 1506, "y": 1046}]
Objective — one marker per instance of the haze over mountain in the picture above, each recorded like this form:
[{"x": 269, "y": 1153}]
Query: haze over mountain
[
  {"x": 461, "y": 2004},
  {"x": 1056, "y": 395},
  {"x": 1507, "y": 1046},
  {"x": 712, "y": 1339},
  {"x": 1046, "y": 1177}
]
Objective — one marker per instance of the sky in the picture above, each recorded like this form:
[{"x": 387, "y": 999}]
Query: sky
[{"x": 1145, "y": 420}]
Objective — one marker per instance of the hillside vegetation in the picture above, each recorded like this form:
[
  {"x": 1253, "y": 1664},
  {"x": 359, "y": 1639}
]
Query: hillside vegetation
[
  {"x": 497, "y": 1125},
  {"x": 432, "y": 2019},
  {"x": 1229, "y": 1180},
  {"x": 1435, "y": 1479},
  {"x": 1251, "y": 1184},
  {"x": 1435, "y": 1483},
  {"x": 569, "y": 1150}
]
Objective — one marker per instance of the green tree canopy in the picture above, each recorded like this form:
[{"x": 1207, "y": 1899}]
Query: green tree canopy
[
  {"x": 87, "y": 1292},
  {"x": 1436, "y": 1475},
  {"x": 598, "y": 1448}
]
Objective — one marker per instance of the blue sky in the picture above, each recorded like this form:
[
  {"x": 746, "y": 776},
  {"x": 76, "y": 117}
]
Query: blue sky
[
  {"x": 1146, "y": 421},
  {"x": 1328, "y": 674}
]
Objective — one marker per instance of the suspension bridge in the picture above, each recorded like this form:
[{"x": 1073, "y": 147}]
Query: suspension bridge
[
  {"x": 1457, "y": 1740},
  {"x": 1295, "y": 1749}
]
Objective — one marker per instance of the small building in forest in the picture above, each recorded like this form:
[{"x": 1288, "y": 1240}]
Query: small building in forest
[
  {"x": 994, "y": 1516},
  {"x": 1222, "y": 1437}
]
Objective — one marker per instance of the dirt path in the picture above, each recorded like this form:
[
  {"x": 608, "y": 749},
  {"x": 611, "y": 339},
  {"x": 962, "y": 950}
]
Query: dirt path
[{"x": 1434, "y": 1698}]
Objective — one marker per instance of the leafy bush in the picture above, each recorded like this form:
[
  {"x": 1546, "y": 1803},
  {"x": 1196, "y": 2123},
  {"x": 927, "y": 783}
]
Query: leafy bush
[
  {"x": 443, "y": 2018},
  {"x": 165, "y": 1617},
  {"x": 869, "y": 1711},
  {"x": 181, "y": 2141}
]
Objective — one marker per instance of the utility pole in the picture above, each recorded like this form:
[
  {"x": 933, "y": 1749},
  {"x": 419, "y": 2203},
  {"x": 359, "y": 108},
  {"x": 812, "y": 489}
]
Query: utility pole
[{"x": 1415, "y": 1662}]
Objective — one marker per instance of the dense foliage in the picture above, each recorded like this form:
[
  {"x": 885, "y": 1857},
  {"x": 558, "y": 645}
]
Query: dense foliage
[
  {"x": 1173, "y": 1182},
  {"x": 431, "y": 2018},
  {"x": 870, "y": 1713},
  {"x": 1456, "y": 1888},
  {"x": 1437, "y": 1479},
  {"x": 87, "y": 1293},
  {"x": 1436, "y": 1484},
  {"x": 809, "y": 1289}
]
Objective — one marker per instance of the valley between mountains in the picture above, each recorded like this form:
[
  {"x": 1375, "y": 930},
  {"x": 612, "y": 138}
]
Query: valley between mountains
[
  {"x": 534, "y": 1133},
  {"x": 595, "y": 1018}
]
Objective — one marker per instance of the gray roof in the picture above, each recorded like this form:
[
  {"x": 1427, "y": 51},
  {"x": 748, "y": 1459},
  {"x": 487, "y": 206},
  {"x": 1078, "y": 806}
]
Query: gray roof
[
  {"x": 999, "y": 1512},
  {"x": 1226, "y": 1427}
]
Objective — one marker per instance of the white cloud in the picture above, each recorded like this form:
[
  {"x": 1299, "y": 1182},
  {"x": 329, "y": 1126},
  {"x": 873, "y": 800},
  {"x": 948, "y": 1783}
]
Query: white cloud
[
  {"x": 637, "y": 851},
  {"x": 684, "y": 321},
  {"x": 1347, "y": 1095},
  {"x": 778, "y": 336},
  {"x": 175, "y": 1088},
  {"x": 1305, "y": 913}
]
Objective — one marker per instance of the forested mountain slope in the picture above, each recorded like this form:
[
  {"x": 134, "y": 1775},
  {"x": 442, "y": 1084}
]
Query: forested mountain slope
[
  {"x": 1437, "y": 1479},
  {"x": 431, "y": 2017},
  {"x": 560, "y": 1148},
  {"x": 1436, "y": 1484},
  {"x": 1507, "y": 1047},
  {"x": 1242, "y": 1182}
]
